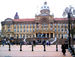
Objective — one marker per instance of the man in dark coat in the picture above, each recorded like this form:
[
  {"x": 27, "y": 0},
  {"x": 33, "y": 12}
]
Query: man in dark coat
[{"x": 63, "y": 49}]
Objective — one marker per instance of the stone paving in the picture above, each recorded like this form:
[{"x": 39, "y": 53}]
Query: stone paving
[{"x": 27, "y": 51}]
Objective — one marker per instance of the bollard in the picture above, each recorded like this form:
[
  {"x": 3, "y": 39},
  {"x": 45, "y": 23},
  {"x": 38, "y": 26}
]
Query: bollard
[
  {"x": 32, "y": 48},
  {"x": 44, "y": 48},
  {"x": 56, "y": 47},
  {"x": 20, "y": 47},
  {"x": 9, "y": 47}
]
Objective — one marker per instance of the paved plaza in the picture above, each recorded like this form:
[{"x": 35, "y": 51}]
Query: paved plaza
[{"x": 27, "y": 51}]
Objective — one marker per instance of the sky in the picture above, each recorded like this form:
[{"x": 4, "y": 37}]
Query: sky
[{"x": 28, "y": 8}]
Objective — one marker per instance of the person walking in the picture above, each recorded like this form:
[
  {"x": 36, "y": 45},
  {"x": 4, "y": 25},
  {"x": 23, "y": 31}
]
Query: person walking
[
  {"x": 47, "y": 42},
  {"x": 63, "y": 48},
  {"x": 3, "y": 42}
]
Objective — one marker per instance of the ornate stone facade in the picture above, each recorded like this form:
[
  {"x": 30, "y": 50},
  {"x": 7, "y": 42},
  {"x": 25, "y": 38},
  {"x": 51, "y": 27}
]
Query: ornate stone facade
[{"x": 43, "y": 26}]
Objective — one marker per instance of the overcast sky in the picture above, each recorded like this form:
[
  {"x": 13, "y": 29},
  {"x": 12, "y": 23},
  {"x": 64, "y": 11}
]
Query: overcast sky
[{"x": 28, "y": 8}]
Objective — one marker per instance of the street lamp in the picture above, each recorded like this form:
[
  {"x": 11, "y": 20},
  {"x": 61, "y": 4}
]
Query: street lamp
[{"x": 69, "y": 11}]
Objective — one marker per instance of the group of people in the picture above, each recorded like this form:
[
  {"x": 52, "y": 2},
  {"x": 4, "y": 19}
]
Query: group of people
[
  {"x": 43, "y": 42},
  {"x": 5, "y": 42}
]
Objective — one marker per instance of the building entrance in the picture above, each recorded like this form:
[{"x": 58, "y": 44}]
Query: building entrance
[
  {"x": 42, "y": 35},
  {"x": 51, "y": 35}
]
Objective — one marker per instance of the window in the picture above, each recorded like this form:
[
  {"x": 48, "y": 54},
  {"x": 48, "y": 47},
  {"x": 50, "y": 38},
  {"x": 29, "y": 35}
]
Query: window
[
  {"x": 14, "y": 30},
  {"x": 62, "y": 30},
  {"x": 8, "y": 30},
  {"x": 8, "y": 25},
  {"x": 62, "y": 36},
  {"x": 15, "y": 26},
  {"x": 59, "y": 35},
  {"x": 55, "y": 35},
  {"x": 30, "y": 28},
  {"x": 65, "y": 29},
  {"x": 24, "y": 25},
  {"x": 45, "y": 26},
  {"x": 30, "y": 25},
  {"x": 37, "y": 29},
  {"x": 33, "y": 30},
  {"x": 58, "y": 29},
  {"x": 14, "y": 35},
  {"x": 20, "y": 29},
  {"x": 55, "y": 25},
  {"x": 65, "y": 25},
  {"x": 27, "y": 27},
  {"x": 58, "y": 25},
  {"x": 20, "y": 35},
  {"x": 23, "y": 35},
  {"x": 37, "y": 26},
  {"x": 21, "y": 26},
  {"x": 61, "y": 25},
  {"x": 24, "y": 29},
  {"x": 55, "y": 29},
  {"x": 33, "y": 35},
  {"x": 42, "y": 27},
  {"x": 65, "y": 35},
  {"x": 17, "y": 29},
  {"x": 51, "y": 26},
  {"x": 33, "y": 25}
]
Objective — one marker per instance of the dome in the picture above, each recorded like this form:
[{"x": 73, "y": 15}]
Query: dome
[
  {"x": 45, "y": 9},
  {"x": 45, "y": 6}
]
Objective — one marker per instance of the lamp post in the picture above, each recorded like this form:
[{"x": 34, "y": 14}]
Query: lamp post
[
  {"x": 69, "y": 11},
  {"x": 20, "y": 46},
  {"x": 9, "y": 45},
  {"x": 32, "y": 47}
]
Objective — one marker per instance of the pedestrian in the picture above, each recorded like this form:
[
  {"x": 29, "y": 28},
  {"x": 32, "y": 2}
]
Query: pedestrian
[
  {"x": 47, "y": 42},
  {"x": 63, "y": 48},
  {"x": 3, "y": 42},
  {"x": 8, "y": 42}
]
